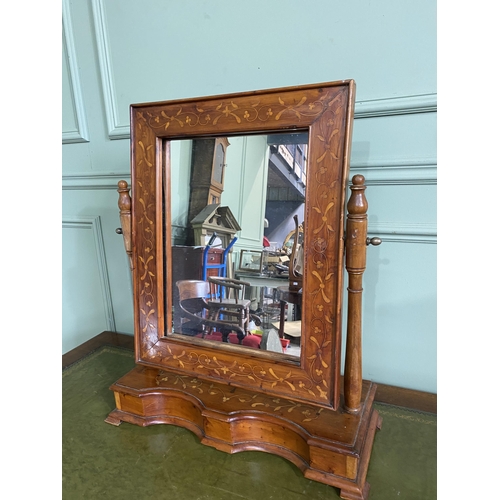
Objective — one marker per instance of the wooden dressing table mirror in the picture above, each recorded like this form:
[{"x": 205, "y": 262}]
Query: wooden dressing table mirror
[{"x": 237, "y": 397}]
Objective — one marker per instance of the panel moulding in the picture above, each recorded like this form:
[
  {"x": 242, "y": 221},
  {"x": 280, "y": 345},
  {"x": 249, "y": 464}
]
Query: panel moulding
[
  {"x": 422, "y": 103},
  {"x": 247, "y": 242},
  {"x": 397, "y": 171},
  {"x": 93, "y": 223},
  {"x": 403, "y": 172},
  {"x": 404, "y": 105},
  {"x": 80, "y": 134},
  {"x": 400, "y": 232},
  {"x": 115, "y": 129},
  {"x": 94, "y": 181}
]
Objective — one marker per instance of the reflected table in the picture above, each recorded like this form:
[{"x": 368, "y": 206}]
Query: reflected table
[
  {"x": 259, "y": 282},
  {"x": 262, "y": 280}
]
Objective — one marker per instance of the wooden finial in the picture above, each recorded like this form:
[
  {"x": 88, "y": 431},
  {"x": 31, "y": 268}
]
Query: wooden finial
[
  {"x": 125, "y": 206},
  {"x": 124, "y": 200},
  {"x": 357, "y": 204}
]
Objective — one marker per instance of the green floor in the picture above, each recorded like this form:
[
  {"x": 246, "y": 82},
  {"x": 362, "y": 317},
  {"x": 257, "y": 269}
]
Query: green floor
[{"x": 101, "y": 461}]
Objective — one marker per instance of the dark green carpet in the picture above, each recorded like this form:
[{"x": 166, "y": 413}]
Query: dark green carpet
[{"x": 101, "y": 461}]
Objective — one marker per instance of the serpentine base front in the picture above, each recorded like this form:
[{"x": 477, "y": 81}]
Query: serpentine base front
[{"x": 331, "y": 447}]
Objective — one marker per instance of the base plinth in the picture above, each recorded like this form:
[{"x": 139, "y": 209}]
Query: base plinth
[{"x": 331, "y": 447}]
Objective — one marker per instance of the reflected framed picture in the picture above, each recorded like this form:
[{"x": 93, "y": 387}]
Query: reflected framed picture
[{"x": 251, "y": 261}]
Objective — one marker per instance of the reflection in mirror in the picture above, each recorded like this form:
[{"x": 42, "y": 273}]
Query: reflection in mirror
[{"x": 235, "y": 203}]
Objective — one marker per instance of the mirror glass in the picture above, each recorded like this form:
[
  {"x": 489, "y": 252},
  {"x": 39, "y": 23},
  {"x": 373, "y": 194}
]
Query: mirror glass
[{"x": 237, "y": 207}]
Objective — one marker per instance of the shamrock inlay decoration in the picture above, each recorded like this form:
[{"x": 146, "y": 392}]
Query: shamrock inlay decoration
[
  {"x": 277, "y": 405},
  {"x": 212, "y": 113},
  {"x": 320, "y": 110}
]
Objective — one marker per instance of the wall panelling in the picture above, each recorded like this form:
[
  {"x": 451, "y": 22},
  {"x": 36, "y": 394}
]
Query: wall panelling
[{"x": 122, "y": 52}]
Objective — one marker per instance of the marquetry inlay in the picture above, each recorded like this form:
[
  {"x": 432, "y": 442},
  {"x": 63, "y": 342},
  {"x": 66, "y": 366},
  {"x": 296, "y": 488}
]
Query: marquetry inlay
[{"x": 323, "y": 110}]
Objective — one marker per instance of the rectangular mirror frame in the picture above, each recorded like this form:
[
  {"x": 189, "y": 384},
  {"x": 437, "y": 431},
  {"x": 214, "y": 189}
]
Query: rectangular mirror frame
[{"x": 326, "y": 112}]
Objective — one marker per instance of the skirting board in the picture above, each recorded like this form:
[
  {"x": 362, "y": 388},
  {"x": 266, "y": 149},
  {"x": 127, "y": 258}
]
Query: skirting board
[{"x": 388, "y": 394}]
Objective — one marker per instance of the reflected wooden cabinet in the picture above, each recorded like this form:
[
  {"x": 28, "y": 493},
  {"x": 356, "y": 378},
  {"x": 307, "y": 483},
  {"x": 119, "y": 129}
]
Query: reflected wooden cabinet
[{"x": 231, "y": 397}]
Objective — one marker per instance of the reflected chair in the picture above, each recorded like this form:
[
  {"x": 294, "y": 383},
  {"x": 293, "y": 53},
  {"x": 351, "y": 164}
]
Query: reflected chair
[
  {"x": 227, "y": 300},
  {"x": 198, "y": 316}
]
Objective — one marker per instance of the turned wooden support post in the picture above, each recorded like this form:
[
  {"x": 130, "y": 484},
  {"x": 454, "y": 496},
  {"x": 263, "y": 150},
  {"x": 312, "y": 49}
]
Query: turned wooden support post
[
  {"x": 356, "y": 241},
  {"x": 125, "y": 205}
]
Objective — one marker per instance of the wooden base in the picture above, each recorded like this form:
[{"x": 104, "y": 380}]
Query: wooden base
[{"x": 331, "y": 447}]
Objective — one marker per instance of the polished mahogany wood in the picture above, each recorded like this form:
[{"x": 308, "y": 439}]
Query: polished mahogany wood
[
  {"x": 239, "y": 399},
  {"x": 355, "y": 265},
  {"x": 326, "y": 112},
  {"x": 328, "y": 446},
  {"x": 125, "y": 205}
]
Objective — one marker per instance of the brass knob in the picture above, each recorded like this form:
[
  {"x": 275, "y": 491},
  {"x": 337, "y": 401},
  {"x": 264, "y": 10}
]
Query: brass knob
[
  {"x": 373, "y": 241},
  {"x": 119, "y": 230}
]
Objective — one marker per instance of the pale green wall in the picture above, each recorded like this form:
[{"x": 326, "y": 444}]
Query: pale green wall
[
  {"x": 245, "y": 188},
  {"x": 118, "y": 52},
  {"x": 180, "y": 168}
]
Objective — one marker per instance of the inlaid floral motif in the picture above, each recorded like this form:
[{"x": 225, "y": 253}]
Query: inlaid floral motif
[
  {"x": 276, "y": 405},
  {"x": 145, "y": 222},
  {"x": 212, "y": 113},
  {"x": 239, "y": 370},
  {"x": 324, "y": 108}
]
